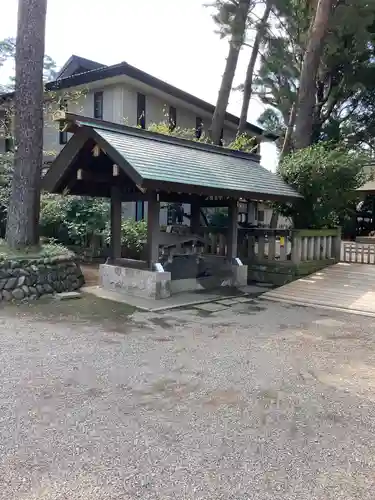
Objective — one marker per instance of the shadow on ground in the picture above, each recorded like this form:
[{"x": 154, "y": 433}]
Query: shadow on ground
[{"x": 86, "y": 310}]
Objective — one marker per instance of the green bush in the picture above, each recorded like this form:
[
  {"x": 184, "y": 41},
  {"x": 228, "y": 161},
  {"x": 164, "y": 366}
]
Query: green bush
[
  {"x": 45, "y": 250},
  {"x": 327, "y": 177},
  {"x": 133, "y": 237},
  {"x": 73, "y": 220}
]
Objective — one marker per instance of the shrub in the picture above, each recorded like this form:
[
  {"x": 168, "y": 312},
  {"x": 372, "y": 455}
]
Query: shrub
[
  {"x": 327, "y": 177},
  {"x": 133, "y": 237}
]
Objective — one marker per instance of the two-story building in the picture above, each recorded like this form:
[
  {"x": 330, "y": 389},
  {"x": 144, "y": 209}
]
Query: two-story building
[{"x": 123, "y": 94}]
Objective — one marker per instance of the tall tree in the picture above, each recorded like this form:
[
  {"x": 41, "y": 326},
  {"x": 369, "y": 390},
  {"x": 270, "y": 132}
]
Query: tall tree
[
  {"x": 233, "y": 14},
  {"x": 248, "y": 84},
  {"x": 343, "y": 85},
  {"x": 307, "y": 83},
  {"x": 23, "y": 213}
]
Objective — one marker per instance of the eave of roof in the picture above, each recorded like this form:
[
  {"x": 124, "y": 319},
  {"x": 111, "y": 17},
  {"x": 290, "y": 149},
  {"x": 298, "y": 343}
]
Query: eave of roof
[{"x": 125, "y": 69}]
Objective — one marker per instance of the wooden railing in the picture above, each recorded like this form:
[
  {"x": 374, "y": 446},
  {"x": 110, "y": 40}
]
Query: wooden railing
[
  {"x": 264, "y": 244},
  {"x": 316, "y": 244},
  {"x": 214, "y": 240},
  {"x": 294, "y": 245}
]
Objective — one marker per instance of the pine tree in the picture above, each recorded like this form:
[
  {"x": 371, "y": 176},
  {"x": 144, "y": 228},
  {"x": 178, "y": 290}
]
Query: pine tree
[
  {"x": 233, "y": 17},
  {"x": 23, "y": 213}
]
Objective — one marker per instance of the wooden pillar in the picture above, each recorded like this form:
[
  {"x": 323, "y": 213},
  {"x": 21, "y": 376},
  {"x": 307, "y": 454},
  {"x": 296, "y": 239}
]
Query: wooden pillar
[
  {"x": 232, "y": 236},
  {"x": 116, "y": 222},
  {"x": 153, "y": 215},
  {"x": 195, "y": 213}
]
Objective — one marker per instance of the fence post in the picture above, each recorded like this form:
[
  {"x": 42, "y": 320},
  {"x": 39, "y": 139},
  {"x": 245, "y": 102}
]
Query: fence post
[
  {"x": 296, "y": 247},
  {"x": 336, "y": 245}
]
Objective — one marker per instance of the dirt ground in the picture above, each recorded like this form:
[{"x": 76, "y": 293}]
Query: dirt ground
[
  {"x": 253, "y": 401},
  {"x": 91, "y": 274}
]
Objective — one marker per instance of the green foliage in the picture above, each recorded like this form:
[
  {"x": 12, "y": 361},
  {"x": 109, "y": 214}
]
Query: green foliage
[
  {"x": 345, "y": 76},
  {"x": 327, "y": 178},
  {"x": 243, "y": 142},
  {"x": 73, "y": 220},
  {"x": 182, "y": 133},
  {"x": 6, "y": 168},
  {"x": 223, "y": 16},
  {"x": 45, "y": 251},
  {"x": 219, "y": 218},
  {"x": 8, "y": 53},
  {"x": 133, "y": 237}
]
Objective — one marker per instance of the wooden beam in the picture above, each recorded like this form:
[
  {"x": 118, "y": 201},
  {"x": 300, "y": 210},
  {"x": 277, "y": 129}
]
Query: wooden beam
[
  {"x": 153, "y": 214},
  {"x": 232, "y": 236},
  {"x": 195, "y": 220}
]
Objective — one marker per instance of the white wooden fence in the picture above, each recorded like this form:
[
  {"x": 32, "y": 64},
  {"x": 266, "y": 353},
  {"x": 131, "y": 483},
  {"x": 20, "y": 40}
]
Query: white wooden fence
[{"x": 359, "y": 253}]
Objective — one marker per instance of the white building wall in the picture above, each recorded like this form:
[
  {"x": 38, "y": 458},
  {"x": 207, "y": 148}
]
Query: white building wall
[
  {"x": 108, "y": 104},
  {"x": 129, "y": 106},
  {"x": 120, "y": 106},
  {"x": 156, "y": 110},
  {"x": 51, "y": 145},
  {"x": 186, "y": 119}
]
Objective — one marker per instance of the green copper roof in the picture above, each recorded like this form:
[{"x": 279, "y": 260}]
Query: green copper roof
[
  {"x": 154, "y": 158},
  {"x": 156, "y": 162}
]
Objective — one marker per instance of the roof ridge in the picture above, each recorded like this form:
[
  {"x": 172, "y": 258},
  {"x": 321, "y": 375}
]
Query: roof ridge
[{"x": 148, "y": 134}]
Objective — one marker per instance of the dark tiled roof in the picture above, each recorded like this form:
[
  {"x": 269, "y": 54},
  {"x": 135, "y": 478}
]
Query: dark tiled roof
[{"x": 174, "y": 164}]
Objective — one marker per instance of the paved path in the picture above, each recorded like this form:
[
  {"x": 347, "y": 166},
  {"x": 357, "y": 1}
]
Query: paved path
[
  {"x": 349, "y": 287},
  {"x": 257, "y": 400}
]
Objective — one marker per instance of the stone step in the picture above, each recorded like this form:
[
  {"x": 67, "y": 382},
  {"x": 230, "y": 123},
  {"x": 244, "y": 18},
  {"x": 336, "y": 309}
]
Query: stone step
[{"x": 67, "y": 295}]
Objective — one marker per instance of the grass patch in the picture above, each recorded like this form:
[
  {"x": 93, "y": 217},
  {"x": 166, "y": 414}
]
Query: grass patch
[{"x": 43, "y": 251}]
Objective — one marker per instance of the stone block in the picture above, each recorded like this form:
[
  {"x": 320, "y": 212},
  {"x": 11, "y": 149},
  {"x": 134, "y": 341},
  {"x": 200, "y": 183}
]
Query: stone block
[
  {"x": 67, "y": 296},
  {"x": 239, "y": 276},
  {"x": 135, "y": 282},
  {"x": 11, "y": 284},
  {"x": 210, "y": 307},
  {"x": 18, "y": 293},
  {"x": 21, "y": 281}
]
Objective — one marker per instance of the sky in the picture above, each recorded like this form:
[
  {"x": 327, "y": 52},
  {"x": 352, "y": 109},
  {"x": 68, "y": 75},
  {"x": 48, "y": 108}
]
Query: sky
[{"x": 174, "y": 40}]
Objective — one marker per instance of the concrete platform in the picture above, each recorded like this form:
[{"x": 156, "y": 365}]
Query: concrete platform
[
  {"x": 341, "y": 287},
  {"x": 185, "y": 299}
]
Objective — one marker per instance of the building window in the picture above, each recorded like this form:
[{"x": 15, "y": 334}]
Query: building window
[
  {"x": 63, "y": 134},
  {"x": 260, "y": 215},
  {"x": 172, "y": 118},
  {"x": 139, "y": 210},
  {"x": 198, "y": 127},
  {"x": 98, "y": 105},
  {"x": 141, "y": 110}
]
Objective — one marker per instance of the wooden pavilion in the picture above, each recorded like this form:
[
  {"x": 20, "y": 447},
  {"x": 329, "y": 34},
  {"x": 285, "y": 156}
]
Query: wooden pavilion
[{"x": 122, "y": 163}]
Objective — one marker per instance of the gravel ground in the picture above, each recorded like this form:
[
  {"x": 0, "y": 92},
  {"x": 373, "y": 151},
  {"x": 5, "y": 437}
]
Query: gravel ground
[{"x": 258, "y": 401}]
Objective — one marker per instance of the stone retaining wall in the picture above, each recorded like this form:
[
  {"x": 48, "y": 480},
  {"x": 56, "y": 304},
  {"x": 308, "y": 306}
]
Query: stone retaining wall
[{"x": 32, "y": 278}]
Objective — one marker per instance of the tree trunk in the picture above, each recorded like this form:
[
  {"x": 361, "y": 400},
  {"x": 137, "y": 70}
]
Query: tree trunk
[
  {"x": 248, "y": 85},
  {"x": 287, "y": 144},
  {"x": 23, "y": 213},
  {"x": 310, "y": 66},
  {"x": 235, "y": 44}
]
